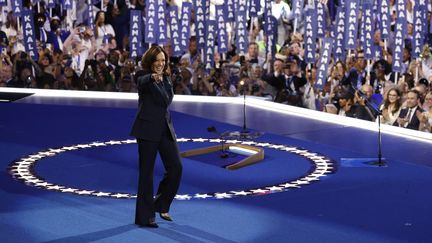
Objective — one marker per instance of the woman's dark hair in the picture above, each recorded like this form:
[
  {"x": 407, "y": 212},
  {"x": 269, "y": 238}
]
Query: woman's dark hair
[
  {"x": 398, "y": 102},
  {"x": 149, "y": 58},
  {"x": 99, "y": 13}
]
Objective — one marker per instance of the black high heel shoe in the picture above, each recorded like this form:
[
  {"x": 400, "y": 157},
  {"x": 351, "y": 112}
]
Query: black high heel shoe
[
  {"x": 151, "y": 224},
  {"x": 165, "y": 216}
]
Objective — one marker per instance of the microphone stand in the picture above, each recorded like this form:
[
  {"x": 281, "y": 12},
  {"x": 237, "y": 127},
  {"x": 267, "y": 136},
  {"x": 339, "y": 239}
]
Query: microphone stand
[
  {"x": 244, "y": 109},
  {"x": 369, "y": 105}
]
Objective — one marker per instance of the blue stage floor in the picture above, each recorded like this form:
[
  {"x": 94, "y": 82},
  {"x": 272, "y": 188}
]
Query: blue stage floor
[{"x": 300, "y": 192}]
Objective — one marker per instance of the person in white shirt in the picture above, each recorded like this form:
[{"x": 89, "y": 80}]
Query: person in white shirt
[
  {"x": 103, "y": 30},
  {"x": 282, "y": 12}
]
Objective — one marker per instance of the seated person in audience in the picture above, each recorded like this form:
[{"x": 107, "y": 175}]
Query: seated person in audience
[
  {"x": 391, "y": 106},
  {"x": 409, "y": 116}
]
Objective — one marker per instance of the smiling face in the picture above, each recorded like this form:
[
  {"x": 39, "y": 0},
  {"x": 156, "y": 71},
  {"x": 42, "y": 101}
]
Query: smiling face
[
  {"x": 159, "y": 64},
  {"x": 393, "y": 96}
]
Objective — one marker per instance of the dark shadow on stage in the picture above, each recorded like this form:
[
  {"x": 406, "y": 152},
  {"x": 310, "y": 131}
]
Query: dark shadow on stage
[{"x": 98, "y": 235}]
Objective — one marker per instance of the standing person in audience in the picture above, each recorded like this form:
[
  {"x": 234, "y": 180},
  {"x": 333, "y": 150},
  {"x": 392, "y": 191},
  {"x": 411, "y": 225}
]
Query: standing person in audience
[
  {"x": 391, "y": 107},
  {"x": 56, "y": 37},
  {"x": 409, "y": 116},
  {"x": 104, "y": 32},
  {"x": 155, "y": 133}
]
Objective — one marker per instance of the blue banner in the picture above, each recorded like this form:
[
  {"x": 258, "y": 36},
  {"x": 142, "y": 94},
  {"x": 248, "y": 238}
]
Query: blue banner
[
  {"x": 322, "y": 69},
  {"x": 241, "y": 28},
  {"x": 150, "y": 22},
  {"x": 185, "y": 25},
  {"x": 51, "y": 4},
  {"x": 420, "y": 11},
  {"x": 254, "y": 8},
  {"x": 161, "y": 23},
  {"x": 200, "y": 22},
  {"x": 135, "y": 38},
  {"x": 67, "y": 4},
  {"x": 351, "y": 23},
  {"x": 210, "y": 43},
  {"x": 271, "y": 39},
  {"x": 17, "y": 7},
  {"x": 29, "y": 35},
  {"x": 321, "y": 23},
  {"x": 310, "y": 35},
  {"x": 368, "y": 30},
  {"x": 297, "y": 8},
  {"x": 174, "y": 24},
  {"x": 378, "y": 52},
  {"x": 91, "y": 14},
  {"x": 221, "y": 27},
  {"x": 268, "y": 28},
  {"x": 385, "y": 19},
  {"x": 399, "y": 36},
  {"x": 230, "y": 10},
  {"x": 339, "y": 32}
]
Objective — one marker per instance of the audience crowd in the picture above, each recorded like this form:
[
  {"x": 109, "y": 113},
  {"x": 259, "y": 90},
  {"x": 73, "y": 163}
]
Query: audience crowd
[{"x": 75, "y": 56}]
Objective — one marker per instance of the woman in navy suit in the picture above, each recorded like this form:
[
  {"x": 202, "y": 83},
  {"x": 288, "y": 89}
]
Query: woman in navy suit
[{"x": 154, "y": 132}]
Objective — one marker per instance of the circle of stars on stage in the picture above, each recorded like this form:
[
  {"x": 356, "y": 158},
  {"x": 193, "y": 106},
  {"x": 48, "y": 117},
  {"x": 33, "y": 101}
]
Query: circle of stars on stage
[{"x": 22, "y": 170}]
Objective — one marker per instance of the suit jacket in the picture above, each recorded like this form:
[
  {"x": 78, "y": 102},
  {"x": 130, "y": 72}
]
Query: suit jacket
[
  {"x": 153, "y": 115},
  {"x": 414, "y": 123}
]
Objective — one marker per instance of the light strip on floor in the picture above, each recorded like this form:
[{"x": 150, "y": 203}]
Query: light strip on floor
[{"x": 258, "y": 103}]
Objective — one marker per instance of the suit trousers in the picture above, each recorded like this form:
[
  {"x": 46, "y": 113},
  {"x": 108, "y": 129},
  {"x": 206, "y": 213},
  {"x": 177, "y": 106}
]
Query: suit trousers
[{"x": 146, "y": 205}]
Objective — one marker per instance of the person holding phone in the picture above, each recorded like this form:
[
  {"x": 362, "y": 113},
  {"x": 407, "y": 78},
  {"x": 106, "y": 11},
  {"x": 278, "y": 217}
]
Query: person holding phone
[{"x": 155, "y": 133}]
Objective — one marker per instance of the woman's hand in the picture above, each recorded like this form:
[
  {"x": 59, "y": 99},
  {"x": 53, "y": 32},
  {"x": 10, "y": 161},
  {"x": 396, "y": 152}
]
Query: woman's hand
[{"x": 157, "y": 77}]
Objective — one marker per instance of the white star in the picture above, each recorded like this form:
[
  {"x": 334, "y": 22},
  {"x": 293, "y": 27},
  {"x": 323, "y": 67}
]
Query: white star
[
  {"x": 37, "y": 157},
  {"x": 309, "y": 154},
  {"x": 274, "y": 188},
  {"x": 222, "y": 195},
  {"x": 56, "y": 187},
  {"x": 288, "y": 185},
  {"x": 182, "y": 139},
  {"x": 241, "y": 193},
  {"x": 232, "y": 141},
  {"x": 316, "y": 157},
  {"x": 129, "y": 141},
  {"x": 300, "y": 151},
  {"x": 199, "y": 140},
  {"x": 183, "y": 197},
  {"x": 120, "y": 195},
  {"x": 248, "y": 142},
  {"x": 215, "y": 140},
  {"x": 84, "y": 192},
  {"x": 56, "y": 150},
  {"x": 259, "y": 191},
  {"x": 289, "y": 148},
  {"x": 276, "y": 146},
  {"x": 95, "y": 144},
  {"x": 83, "y": 146},
  {"x": 300, "y": 182},
  {"x": 28, "y": 160},
  {"x": 70, "y": 148},
  {"x": 262, "y": 144},
  {"x": 68, "y": 190},
  {"x": 203, "y": 196},
  {"x": 43, "y": 184},
  {"x": 113, "y": 142},
  {"x": 25, "y": 163},
  {"x": 28, "y": 177},
  {"x": 44, "y": 154},
  {"x": 102, "y": 194}
]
